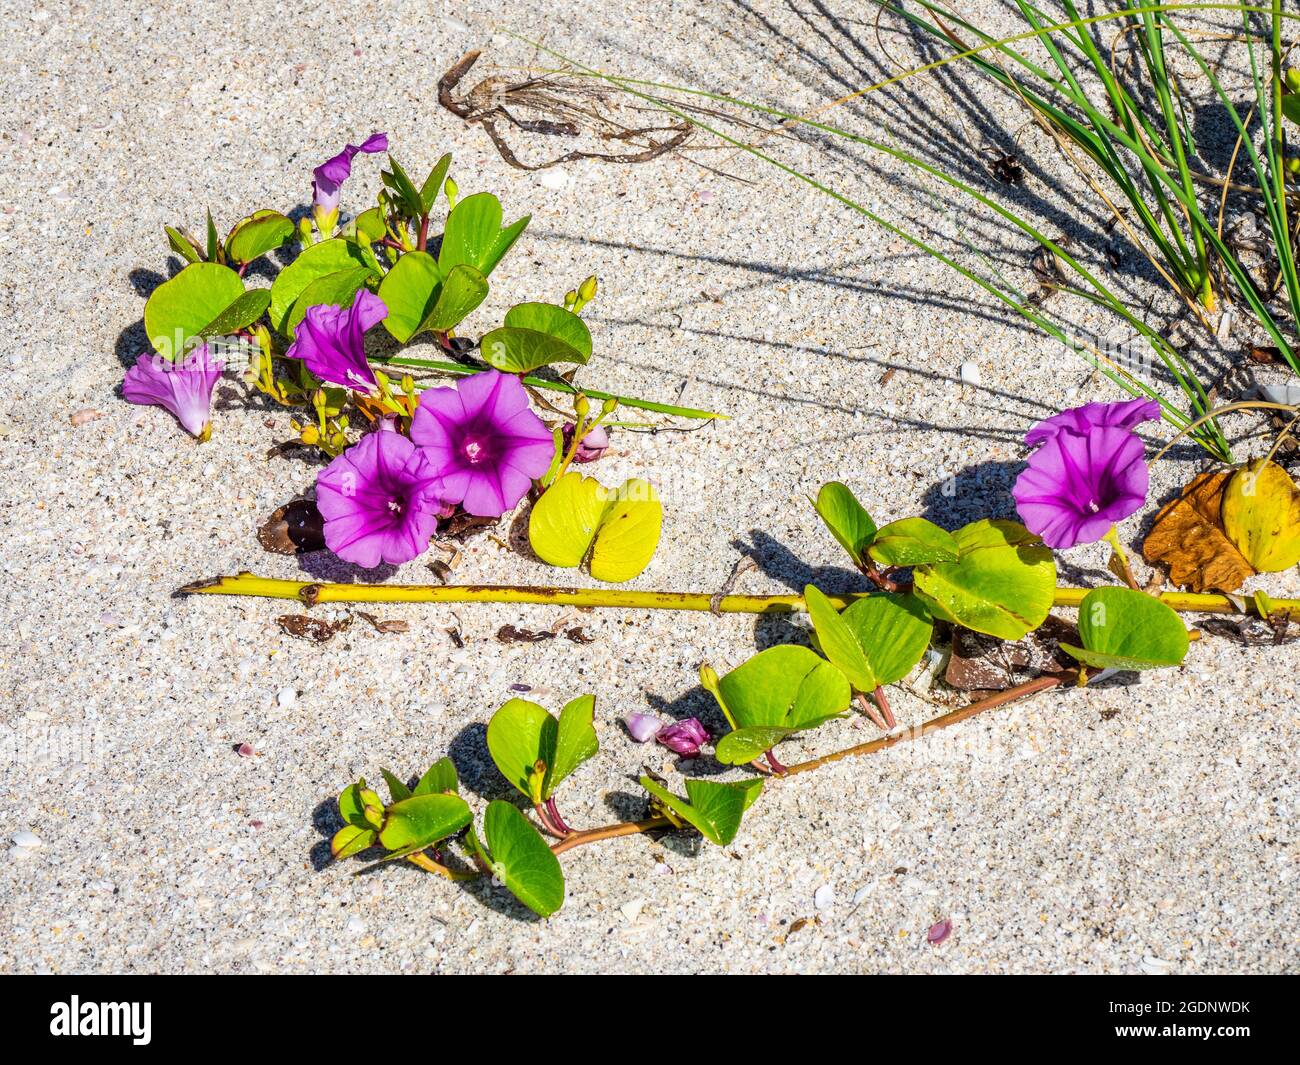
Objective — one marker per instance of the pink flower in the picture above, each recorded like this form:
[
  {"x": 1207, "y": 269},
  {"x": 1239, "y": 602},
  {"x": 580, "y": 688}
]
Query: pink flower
[
  {"x": 330, "y": 340},
  {"x": 380, "y": 501},
  {"x": 183, "y": 387},
  {"x": 643, "y": 727},
  {"x": 483, "y": 441},
  {"x": 685, "y": 737},
  {"x": 592, "y": 446}
]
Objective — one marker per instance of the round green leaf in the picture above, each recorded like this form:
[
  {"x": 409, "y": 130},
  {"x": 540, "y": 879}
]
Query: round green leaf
[
  {"x": 521, "y": 734},
  {"x": 554, "y": 321},
  {"x": 713, "y": 809},
  {"x": 876, "y": 641},
  {"x": 421, "y": 821},
  {"x": 180, "y": 309},
  {"x": 256, "y": 235},
  {"x": 327, "y": 257},
  {"x": 1126, "y": 629},
  {"x": 628, "y": 532},
  {"x": 521, "y": 859},
  {"x": 912, "y": 542},
  {"x": 787, "y": 686},
  {"x": 848, "y": 522},
  {"x": 1003, "y": 583},
  {"x": 441, "y": 777},
  {"x": 473, "y": 234}
]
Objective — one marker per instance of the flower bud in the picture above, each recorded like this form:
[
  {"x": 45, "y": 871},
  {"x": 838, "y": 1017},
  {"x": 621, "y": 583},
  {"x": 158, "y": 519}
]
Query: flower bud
[
  {"x": 684, "y": 737},
  {"x": 453, "y": 192},
  {"x": 587, "y": 290}
]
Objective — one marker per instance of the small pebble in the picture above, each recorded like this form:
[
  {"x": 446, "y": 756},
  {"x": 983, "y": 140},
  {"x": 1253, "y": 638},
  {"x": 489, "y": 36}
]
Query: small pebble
[
  {"x": 970, "y": 373},
  {"x": 554, "y": 179},
  {"x": 86, "y": 414},
  {"x": 632, "y": 910},
  {"x": 824, "y": 897},
  {"x": 246, "y": 750},
  {"x": 287, "y": 699},
  {"x": 26, "y": 840}
]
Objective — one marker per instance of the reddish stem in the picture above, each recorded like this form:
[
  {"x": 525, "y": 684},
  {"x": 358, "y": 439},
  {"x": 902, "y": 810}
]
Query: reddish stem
[{"x": 883, "y": 703}]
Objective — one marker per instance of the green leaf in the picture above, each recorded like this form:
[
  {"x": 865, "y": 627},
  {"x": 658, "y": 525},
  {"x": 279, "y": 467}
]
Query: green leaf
[
  {"x": 536, "y": 335},
  {"x": 433, "y": 183},
  {"x": 419, "y": 300},
  {"x": 243, "y": 312},
  {"x": 848, "y": 522},
  {"x": 327, "y": 257},
  {"x": 350, "y": 840},
  {"x": 257, "y": 234},
  {"x": 403, "y": 188},
  {"x": 370, "y": 226},
  {"x": 876, "y": 641},
  {"x": 744, "y": 745},
  {"x": 1291, "y": 107},
  {"x": 1003, "y": 583},
  {"x": 521, "y": 734},
  {"x": 521, "y": 859},
  {"x": 1126, "y": 629},
  {"x": 473, "y": 234},
  {"x": 912, "y": 542},
  {"x": 360, "y": 806},
  {"x": 578, "y": 514},
  {"x": 181, "y": 246},
  {"x": 713, "y": 809},
  {"x": 441, "y": 777},
  {"x": 338, "y": 289},
  {"x": 180, "y": 309},
  {"x": 214, "y": 246},
  {"x": 397, "y": 789},
  {"x": 421, "y": 821},
  {"x": 787, "y": 686}
]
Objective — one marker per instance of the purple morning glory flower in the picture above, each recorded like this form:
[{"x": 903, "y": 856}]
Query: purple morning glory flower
[
  {"x": 1078, "y": 485},
  {"x": 331, "y": 174},
  {"x": 184, "y": 387},
  {"x": 380, "y": 501},
  {"x": 329, "y": 340},
  {"x": 685, "y": 737},
  {"x": 592, "y": 446},
  {"x": 1125, "y": 415},
  {"x": 484, "y": 441}
]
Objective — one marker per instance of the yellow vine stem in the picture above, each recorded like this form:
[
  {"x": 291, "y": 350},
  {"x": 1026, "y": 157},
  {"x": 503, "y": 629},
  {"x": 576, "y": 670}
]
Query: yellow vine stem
[{"x": 309, "y": 594}]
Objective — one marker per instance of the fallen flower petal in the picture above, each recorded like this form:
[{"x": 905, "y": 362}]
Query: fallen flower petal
[
  {"x": 938, "y": 932},
  {"x": 685, "y": 737},
  {"x": 484, "y": 441},
  {"x": 592, "y": 446},
  {"x": 183, "y": 387},
  {"x": 643, "y": 727},
  {"x": 380, "y": 501},
  {"x": 330, "y": 340}
]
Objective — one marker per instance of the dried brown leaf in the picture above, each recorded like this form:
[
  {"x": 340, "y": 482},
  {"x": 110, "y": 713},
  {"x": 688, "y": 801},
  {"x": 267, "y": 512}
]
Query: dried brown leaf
[
  {"x": 293, "y": 529},
  {"x": 1188, "y": 538},
  {"x": 305, "y": 627}
]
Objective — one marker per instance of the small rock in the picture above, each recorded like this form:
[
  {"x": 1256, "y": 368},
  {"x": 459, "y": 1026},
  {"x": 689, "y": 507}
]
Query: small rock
[
  {"x": 553, "y": 179},
  {"x": 632, "y": 910},
  {"x": 28, "y": 841},
  {"x": 287, "y": 699},
  {"x": 245, "y": 750},
  {"x": 824, "y": 897},
  {"x": 1154, "y": 966},
  {"x": 970, "y": 374},
  {"x": 356, "y": 925}
]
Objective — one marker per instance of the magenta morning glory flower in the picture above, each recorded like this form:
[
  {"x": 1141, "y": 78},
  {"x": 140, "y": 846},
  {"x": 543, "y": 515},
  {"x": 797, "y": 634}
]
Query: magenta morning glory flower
[
  {"x": 1124, "y": 415},
  {"x": 685, "y": 737},
  {"x": 331, "y": 174},
  {"x": 380, "y": 501},
  {"x": 1078, "y": 485},
  {"x": 184, "y": 387},
  {"x": 591, "y": 447},
  {"x": 484, "y": 441},
  {"x": 330, "y": 341}
]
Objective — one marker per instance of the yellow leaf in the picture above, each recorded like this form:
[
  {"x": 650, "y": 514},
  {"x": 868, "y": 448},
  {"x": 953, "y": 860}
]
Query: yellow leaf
[
  {"x": 628, "y": 534},
  {"x": 564, "y": 520},
  {"x": 1261, "y": 515}
]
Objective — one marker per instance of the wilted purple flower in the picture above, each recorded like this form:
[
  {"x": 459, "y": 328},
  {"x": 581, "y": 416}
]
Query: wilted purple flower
[
  {"x": 592, "y": 446},
  {"x": 330, "y": 340},
  {"x": 483, "y": 441},
  {"x": 380, "y": 501},
  {"x": 1078, "y": 485},
  {"x": 684, "y": 737},
  {"x": 1123, "y": 415},
  {"x": 184, "y": 387},
  {"x": 939, "y": 931},
  {"x": 643, "y": 727},
  {"x": 331, "y": 174}
]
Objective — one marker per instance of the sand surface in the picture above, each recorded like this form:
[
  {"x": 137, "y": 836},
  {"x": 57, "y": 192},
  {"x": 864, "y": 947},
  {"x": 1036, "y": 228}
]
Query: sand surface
[{"x": 1148, "y": 826}]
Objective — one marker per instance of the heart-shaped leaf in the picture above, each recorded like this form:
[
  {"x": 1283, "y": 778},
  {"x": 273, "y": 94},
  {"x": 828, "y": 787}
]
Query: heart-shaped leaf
[
  {"x": 327, "y": 257},
  {"x": 713, "y": 809},
  {"x": 786, "y": 686},
  {"x": 257, "y": 234},
  {"x": 441, "y": 777},
  {"x": 912, "y": 542},
  {"x": 473, "y": 234},
  {"x": 745, "y": 744},
  {"x": 848, "y": 522},
  {"x": 521, "y": 859},
  {"x": 534, "y": 751},
  {"x": 1261, "y": 515},
  {"x": 536, "y": 335},
  {"x": 179, "y": 310},
  {"x": 350, "y": 840},
  {"x": 421, "y": 821},
  {"x": 876, "y": 641},
  {"x": 420, "y": 300},
  {"x": 1122, "y": 628},
  {"x": 338, "y": 289},
  {"x": 578, "y": 514},
  {"x": 1003, "y": 583}
]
